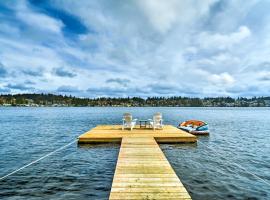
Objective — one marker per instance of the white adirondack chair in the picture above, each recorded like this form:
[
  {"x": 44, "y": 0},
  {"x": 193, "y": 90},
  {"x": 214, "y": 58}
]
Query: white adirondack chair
[
  {"x": 128, "y": 122},
  {"x": 157, "y": 121}
]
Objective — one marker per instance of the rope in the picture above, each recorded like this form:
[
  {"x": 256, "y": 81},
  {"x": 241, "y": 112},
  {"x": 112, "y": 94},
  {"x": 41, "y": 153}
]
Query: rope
[
  {"x": 35, "y": 161},
  {"x": 256, "y": 176}
]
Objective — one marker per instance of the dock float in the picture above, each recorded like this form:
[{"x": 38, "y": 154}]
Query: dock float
[
  {"x": 114, "y": 133},
  {"x": 142, "y": 170}
]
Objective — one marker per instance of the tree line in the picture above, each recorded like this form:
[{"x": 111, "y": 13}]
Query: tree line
[{"x": 64, "y": 100}]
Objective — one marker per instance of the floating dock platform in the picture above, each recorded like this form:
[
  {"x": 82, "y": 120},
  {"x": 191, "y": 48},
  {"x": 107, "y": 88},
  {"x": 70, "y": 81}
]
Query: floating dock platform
[
  {"x": 114, "y": 133},
  {"x": 142, "y": 170}
]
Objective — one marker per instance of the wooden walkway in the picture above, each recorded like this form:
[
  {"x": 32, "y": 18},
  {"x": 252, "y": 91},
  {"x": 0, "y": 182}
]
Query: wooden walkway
[{"x": 143, "y": 172}]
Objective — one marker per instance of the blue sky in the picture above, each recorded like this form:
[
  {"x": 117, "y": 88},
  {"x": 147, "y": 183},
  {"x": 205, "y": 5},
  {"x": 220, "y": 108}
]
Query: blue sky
[{"x": 135, "y": 48}]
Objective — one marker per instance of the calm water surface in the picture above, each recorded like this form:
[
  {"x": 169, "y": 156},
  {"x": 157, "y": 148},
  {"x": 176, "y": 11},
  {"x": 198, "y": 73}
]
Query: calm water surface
[{"x": 209, "y": 170}]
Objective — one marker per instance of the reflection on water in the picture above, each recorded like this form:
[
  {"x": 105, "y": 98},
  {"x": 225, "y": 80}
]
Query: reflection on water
[{"x": 207, "y": 169}]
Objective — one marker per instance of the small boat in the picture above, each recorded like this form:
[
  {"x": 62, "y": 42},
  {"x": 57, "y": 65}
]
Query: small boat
[{"x": 195, "y": 127}]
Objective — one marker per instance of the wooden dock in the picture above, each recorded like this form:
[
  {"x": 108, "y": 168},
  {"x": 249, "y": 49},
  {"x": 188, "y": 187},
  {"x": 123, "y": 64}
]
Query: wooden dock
[
  {"x": 142, "y": 170},
  {"x": 114, "y": 133}
]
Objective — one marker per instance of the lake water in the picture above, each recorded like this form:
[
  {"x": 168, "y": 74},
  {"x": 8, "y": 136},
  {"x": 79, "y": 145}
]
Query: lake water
[{"x": 216, "y": 168}]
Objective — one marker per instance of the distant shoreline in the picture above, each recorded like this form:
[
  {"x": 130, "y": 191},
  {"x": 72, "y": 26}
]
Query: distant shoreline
[
  {"x": 52, "y": 100},
  {"x": 20, "y": 106}
]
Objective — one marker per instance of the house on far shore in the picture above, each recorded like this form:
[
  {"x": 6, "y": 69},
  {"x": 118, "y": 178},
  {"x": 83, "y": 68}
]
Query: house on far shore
[{"x": 267, "y": 102}]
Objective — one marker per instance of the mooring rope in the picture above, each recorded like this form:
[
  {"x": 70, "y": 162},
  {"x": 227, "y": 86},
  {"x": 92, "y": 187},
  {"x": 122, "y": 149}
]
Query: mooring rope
[
  {"x": 39, "y": 159},
  {"x": 256, "y": 176}
]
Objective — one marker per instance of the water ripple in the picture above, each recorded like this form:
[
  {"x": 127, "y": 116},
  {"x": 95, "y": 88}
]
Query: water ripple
[{"x": 207, "y": 169}]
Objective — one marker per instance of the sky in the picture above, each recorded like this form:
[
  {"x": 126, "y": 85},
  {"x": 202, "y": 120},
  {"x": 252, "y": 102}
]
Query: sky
[{"x": 194, "y": 48}]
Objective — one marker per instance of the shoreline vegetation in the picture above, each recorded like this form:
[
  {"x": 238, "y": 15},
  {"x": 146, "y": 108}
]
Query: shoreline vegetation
[{"x": 52, "y": 100}]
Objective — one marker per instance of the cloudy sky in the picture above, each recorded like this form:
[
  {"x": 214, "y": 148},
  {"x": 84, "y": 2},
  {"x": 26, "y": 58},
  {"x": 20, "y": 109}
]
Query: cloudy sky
[{"x": 136, "y": 47}]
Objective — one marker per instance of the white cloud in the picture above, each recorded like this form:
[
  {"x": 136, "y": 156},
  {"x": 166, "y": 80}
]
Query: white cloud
[
  {"x": 164, "y": 15},
  {"x": 222, "y": 79},
  {"x": 161, "y": 47},
  {"x": 207, "y": 40},
  {"x": 161, "y": 14},
  {"x": 38, "y": 20},
  {"x": 41, "y": 21},
  {"x": 264, "y": 76}
]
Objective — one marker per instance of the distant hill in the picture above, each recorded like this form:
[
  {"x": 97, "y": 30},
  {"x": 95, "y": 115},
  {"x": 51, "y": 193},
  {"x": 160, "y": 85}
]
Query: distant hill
[{"x": 60, "y": 100}]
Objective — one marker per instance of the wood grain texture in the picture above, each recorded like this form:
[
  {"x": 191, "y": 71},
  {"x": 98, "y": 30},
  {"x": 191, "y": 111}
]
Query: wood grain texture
[
  {"x": 143, "y": 172},
  {"x": 114, "y": 133}
]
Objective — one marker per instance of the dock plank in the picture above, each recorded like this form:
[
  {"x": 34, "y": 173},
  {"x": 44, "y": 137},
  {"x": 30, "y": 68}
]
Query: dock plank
[
  {"x": 114, "y": 133},
  {"x": 145, "y": 173},
  {"x": 142, "y": 171}
]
